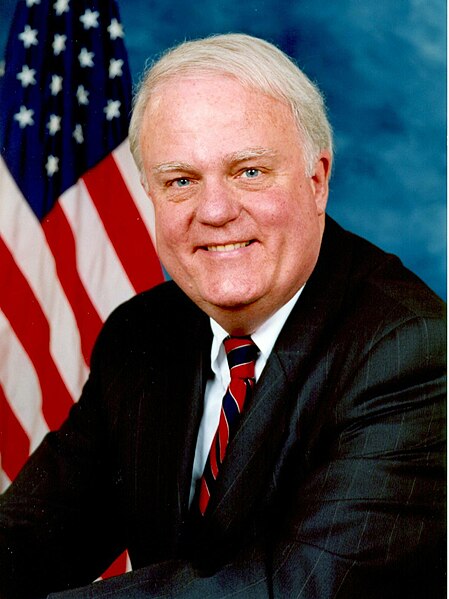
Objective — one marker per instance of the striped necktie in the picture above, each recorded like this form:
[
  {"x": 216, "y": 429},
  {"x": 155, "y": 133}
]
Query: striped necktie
[{"x": 241, "y": 353}]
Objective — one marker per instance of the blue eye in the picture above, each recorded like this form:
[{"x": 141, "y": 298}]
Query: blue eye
[
  {"x": 252, "y": 173},
  {"x": 181, "y": 182}
]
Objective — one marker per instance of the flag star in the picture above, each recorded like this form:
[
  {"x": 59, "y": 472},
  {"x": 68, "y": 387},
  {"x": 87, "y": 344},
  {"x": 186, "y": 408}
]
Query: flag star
[
  {"x": 78, "y": 134},
  {"x": 82, "y": 95},
  {"x": 61, "y": 6},
  {"x": 31, "y": 3},
  {"x": 26, "y": 76},
  {"x": 86, "y": 58},
  {"x": 58, "y": 44},
  {"x": 28, "y": 37},
  {"x": 115, "y": 29},
  {"x": 24, "y": 117},
  {"x": 52, "y": 165},
  {"x": 2, "y": 68},
  {"x": 55, "y": 85},
  {"x": 115, "y": 68},
  {"x": 54, "y": 124},
  {"x": 89, "y": 19},
  {"x": 112, "y": 109}
]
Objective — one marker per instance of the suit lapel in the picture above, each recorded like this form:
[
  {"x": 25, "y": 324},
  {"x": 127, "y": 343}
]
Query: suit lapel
[
  {"x": 255, "y": 454},
  {"x": 249, "y": 456},
  {"x": 169, "y": 412}
]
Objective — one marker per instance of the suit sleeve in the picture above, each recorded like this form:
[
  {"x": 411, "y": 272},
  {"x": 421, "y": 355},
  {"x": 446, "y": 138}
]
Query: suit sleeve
[
  {"x": 58, "y": 528},
  {"x": 367, "y": 519}
]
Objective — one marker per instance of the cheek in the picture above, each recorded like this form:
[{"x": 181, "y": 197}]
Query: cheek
[
  {"x": 282, "y": 213},
  {"x": 171, "y": 231},
  {"x": 165, "y": 220},
  {"x": 293, "y": 225}
]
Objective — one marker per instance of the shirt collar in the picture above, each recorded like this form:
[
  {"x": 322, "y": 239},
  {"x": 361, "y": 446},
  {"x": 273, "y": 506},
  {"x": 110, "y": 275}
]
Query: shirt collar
[{"x": 264, "y": 337}]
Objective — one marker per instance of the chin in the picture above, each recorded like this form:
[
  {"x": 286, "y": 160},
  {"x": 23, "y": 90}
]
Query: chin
[
  {"x": 219, "y": 295},
  {"x": 230, "y": 302}
]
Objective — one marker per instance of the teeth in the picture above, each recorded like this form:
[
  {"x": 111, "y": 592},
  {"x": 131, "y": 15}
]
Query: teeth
[{"x": 228, "y": 247}]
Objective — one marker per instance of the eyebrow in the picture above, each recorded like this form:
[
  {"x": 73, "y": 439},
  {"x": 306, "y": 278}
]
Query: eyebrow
[
  {"x": 250, "y": 153},
  {"x": 168, "y": 167},
  {"x": 234, "y": 157}
]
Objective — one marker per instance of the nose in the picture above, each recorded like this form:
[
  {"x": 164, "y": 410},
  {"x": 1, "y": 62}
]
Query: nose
[{"x": 217, "y": 204}]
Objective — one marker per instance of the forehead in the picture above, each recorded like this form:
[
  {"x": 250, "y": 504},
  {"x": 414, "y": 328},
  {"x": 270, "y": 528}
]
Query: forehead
[
  {"x": 215, "y": 111},
  {"x": 205, "y": 88},
  {"x": 212, "y": 77}
]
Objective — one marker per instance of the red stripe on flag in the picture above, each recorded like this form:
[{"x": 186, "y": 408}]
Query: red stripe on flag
[
  {"x": 62, "y": 243},
  {"x": 31, "y": 327},
  {"x": 14, "y": 442},
  {"x": 123, "y": 224}
]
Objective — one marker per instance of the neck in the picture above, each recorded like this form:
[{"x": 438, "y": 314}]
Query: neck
[
  {"x": 244, "y": 320},
  {"x": 237, "y": 324}
]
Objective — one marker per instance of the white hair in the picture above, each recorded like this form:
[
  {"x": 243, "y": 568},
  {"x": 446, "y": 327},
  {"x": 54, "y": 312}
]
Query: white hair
[{"x": 255, "y": 63}]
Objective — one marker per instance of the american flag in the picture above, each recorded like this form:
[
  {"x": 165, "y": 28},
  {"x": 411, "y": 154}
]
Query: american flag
[{"x": 76, "y": 228}]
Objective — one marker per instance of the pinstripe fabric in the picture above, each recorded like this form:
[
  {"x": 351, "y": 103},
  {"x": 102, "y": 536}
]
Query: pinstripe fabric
[{"x": 333, "y": 486}]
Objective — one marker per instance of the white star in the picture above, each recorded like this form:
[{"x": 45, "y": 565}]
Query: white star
[
  {"x": 61, "y": 6},
  {"x": 26, "y": 76},
  {"x": 58, "y": 44},
  {"x": 82, "y": 95},
  {"x": 115, "y": 29},
  {"x": 28, "y": 37},
  {"x": 115, "y": 68},
  {"x": 54, "y": 124},
  {"x": 86, "y": 58},
  {"x": 2, "y": 68},
  {"x": 89, "y": 19},
  {"x": 24, "y": 117},
  {"x": 55, "y": 85},
  {"x": 78, "y": 134},
  {"x": 112, "y": 109},
  {"x": 52, "y": 166},
  {"x": 31, "y": 3}
]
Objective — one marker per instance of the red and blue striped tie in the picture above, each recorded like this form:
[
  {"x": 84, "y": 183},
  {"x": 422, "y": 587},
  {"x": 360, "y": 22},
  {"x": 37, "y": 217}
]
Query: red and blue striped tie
[{"x": 241, "y": 353}]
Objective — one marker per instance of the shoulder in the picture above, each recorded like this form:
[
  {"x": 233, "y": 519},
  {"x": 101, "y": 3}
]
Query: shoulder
[
  {"x": 163, "y": 305},
  {"x": 374, "y": 282},
  {"x": 361, "y": 303},
  {"x": 152, "y": 319},
  {"x": 163, "y": 299}
]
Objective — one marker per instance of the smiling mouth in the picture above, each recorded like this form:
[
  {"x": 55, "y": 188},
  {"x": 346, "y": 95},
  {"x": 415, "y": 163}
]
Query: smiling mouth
[{"x": 229, "y": 247}]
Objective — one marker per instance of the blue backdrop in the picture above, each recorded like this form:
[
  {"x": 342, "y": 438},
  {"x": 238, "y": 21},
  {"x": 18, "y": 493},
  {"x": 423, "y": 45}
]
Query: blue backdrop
[{"x": 382, "y": 68}]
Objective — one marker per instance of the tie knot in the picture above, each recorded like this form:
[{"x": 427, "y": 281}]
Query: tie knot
[{"x": 241, "y": 353}]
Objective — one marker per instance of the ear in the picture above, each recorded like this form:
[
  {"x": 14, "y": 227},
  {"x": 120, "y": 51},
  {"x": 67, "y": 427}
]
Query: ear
[{"x": 320, "y": 180}]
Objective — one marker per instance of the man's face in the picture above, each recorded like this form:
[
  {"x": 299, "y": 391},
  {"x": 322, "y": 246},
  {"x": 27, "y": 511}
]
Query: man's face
[{"x": 238, "y": 222}]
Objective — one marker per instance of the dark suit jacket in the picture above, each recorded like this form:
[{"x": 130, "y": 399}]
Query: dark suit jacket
[{"x": 332, "y": 487}]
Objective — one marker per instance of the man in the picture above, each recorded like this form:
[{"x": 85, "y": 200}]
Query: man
[{"x": 330, "y": 482}]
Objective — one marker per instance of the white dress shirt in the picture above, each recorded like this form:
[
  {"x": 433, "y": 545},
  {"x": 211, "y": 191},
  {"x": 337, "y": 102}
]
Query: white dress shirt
[{"x": 265, "y": 338}]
